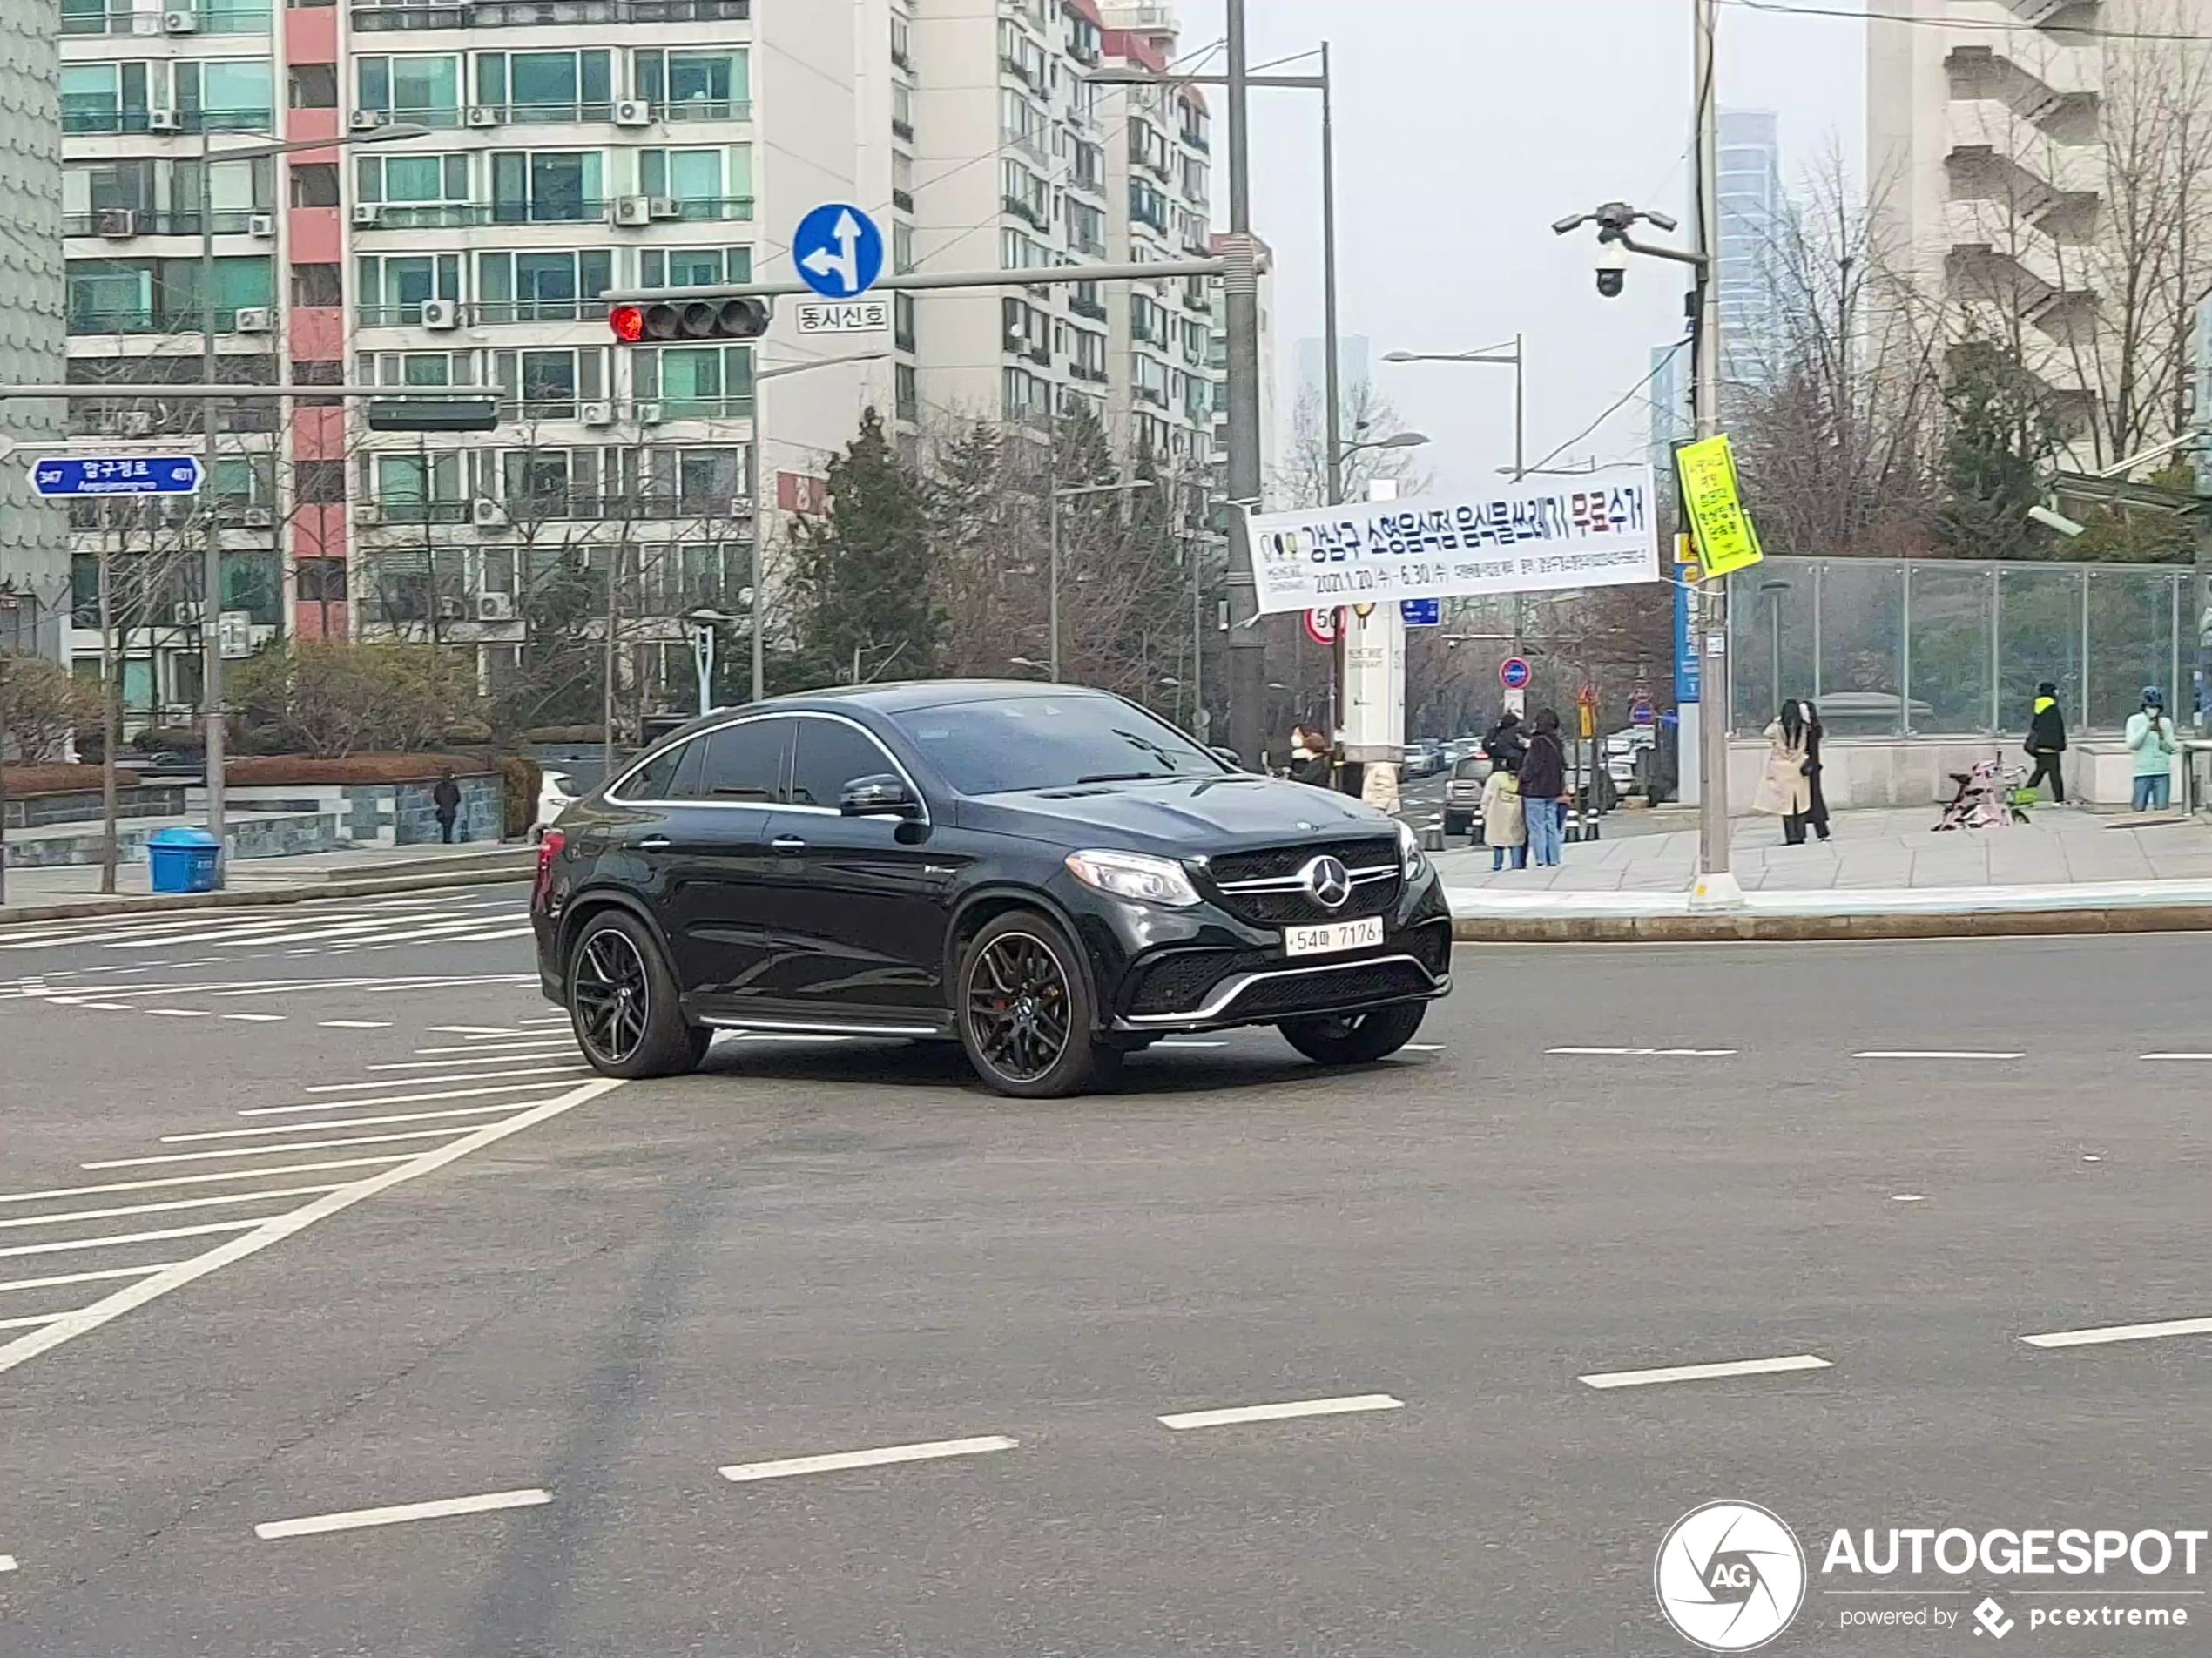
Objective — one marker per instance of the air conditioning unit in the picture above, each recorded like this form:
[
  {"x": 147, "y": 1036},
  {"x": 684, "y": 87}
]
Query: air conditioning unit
[
  {"x": 633, "y": 112},
  {"x": 164, "y": 121},
  {"x": 256, "y": 318},
  {"x": 663, "y": 207},
  {"x": 234, "y": 633},
  {"x": 259, "y": 518},
  {"x": 599, "y": 414},
  {"x": 452, "y": 610},
  {"x": 484, "y": 114},
  {"x": 186, "y": 614},
  {"x": 740, "y": 507},
  {"x": 486, "y": 514},
  {"x": 145, "y": 23},
  {"x": 494, "y": 607},
  {"x": 117, "y": 224},
  {"x": 368, "y": 515},
  {"x": 261, "y": 224},
  {"x": 441, "y": 315},
  {"x": 633, "y": 211},
  {"x": 179, "y": 23},
  {"x": 368, "y": 214},
  {"x": 135, "y": 422},
  {"x": 647, "y": 414}
]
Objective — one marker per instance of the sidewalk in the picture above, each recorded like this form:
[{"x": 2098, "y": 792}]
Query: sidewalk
[
  {"x": 1883, "y": 873},
  {"x": 36, "y": 892}
]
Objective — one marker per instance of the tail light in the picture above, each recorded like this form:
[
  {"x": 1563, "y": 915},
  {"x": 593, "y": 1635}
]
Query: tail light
[{"x": 548, "y": 850}]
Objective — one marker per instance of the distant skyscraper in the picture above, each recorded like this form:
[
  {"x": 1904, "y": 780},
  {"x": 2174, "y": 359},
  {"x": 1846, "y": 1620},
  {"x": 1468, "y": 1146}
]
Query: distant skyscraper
[{"x": 1754, "y": 224}]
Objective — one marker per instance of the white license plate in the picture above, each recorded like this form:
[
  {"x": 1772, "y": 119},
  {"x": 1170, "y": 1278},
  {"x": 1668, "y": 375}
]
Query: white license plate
[{"x": 1331, "y": 936}]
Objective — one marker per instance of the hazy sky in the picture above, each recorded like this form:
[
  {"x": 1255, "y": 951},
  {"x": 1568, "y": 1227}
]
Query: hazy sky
[{"x": 1463, "y": 128}]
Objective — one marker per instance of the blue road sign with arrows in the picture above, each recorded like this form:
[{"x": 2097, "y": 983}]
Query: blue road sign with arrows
[
  {"x": 838, "y": 251},
  {"x": 59, "y": 476}
]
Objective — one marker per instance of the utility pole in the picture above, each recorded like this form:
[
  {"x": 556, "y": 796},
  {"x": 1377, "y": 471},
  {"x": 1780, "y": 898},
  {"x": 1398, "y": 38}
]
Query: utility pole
[
  {"x": 1716, "y": 886},
  {"x": 1331, "y": 343},
  {"x": 211, "y": 577},
  {"x": 1247, "y": 644}
]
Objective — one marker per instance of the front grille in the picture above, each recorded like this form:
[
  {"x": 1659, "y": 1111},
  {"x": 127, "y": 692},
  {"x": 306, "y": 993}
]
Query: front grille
[
  {"x": 1431, "y": 946},
  {"x": 1355, "y": 982},
  {"x": 1180, "y": 978},
  {"x": 1277, "y": 862},
  {"x": 1301, "y": 908}
]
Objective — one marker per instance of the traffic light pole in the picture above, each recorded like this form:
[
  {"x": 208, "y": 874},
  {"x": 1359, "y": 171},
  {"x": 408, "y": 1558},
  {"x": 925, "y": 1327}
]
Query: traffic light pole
[{"x": 923, "y": 281}]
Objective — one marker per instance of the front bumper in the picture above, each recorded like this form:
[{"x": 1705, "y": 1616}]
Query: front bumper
[{"x": 1162, "y": 972}]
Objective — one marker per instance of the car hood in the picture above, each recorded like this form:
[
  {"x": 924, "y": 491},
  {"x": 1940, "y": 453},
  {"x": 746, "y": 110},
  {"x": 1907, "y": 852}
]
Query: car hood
[{"x": 1185, "y": 817}]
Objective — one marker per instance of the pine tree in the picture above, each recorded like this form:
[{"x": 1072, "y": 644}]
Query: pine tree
[{"x": 864, "y": 578}]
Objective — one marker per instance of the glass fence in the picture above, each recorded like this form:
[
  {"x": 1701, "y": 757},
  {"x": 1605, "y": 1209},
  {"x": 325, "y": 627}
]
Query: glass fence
[{"x": 1956, "y": 647}]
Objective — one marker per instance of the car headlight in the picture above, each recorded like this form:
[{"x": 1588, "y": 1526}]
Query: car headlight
[
  {"x": 1411, "y": 863},
  {"x": 1135, "y": 875}
]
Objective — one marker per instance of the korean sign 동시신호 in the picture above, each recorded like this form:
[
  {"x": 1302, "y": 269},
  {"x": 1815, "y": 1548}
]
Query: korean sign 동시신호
[
  {"x": 1725, "y": 539},
  {"x": 1534, "y": 536}
]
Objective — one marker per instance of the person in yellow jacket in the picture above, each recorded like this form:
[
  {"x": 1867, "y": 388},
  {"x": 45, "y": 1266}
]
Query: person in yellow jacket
[{"x": 2046, "y": 740}]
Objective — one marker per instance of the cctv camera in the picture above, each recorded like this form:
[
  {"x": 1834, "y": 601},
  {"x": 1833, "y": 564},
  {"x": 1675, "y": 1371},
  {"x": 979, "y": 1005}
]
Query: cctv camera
[
  {"x": 1662, "y": 221},
  {"x": 1612, "y": 270},
  {"x": 2058, "y": 521},
  {"x": 1574, "y": 222}
]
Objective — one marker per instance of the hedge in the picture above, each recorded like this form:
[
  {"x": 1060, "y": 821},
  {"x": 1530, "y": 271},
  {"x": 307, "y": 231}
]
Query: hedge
[{"x": 53, "y": 780}]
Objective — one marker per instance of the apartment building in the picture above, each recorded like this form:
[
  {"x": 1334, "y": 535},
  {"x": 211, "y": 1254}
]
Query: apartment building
[
  {"x": 576, "y": 146},
  {"x": 34, "y": 553},
  {"x": 1988, "y": 125}
]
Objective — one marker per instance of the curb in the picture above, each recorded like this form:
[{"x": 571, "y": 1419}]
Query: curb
[
  {"x": 141, "y": 904},
  {"x": 1755, "y": 928}
]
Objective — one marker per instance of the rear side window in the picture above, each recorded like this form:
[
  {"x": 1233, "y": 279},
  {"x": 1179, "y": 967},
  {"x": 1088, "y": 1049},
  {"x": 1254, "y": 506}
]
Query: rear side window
[
  {"x": 745, "y": 763},
  {"x": 656, "y": 779},
  {"x": 831, "y": 754},
  {"x": 1466, "y": 771}
]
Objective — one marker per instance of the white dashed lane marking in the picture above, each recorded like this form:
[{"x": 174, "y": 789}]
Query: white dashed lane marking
[
  {"x": 1703, "y": 1373},
  {"x": 1242, "y": 1413},
  {"x": 1645, "y": 1053},
  {"x": 1938, "y": 1052},
  {"x": 2112, "y": 1333},
  {"x": 445, "y": 1508},
  {"x": 356, "y": 1024},
  {"x": 933, "y": 1451}
]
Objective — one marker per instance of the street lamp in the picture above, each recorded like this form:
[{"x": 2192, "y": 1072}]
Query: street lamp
[
  {"x": 1052, "y": 601},
  {"x": 210, "y": 636},
  {"x": 703, "y": 621},
  {"x": 1514, "y": 359},
  {"x": 1395, "y": 441},
  {"x": 753, "y": 495}
]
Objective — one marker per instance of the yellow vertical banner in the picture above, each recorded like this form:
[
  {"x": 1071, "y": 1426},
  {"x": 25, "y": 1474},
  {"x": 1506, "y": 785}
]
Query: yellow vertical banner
[{"x": 1726, "y": 541}]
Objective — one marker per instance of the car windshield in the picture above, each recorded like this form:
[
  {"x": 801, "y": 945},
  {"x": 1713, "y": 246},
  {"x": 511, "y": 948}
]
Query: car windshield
[{"x": 1051, "y": 743}]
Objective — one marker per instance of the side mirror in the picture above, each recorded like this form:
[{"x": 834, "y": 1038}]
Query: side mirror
[
  {"x": 1228, "y": 757},
  {"x": 882, "y": 796}
]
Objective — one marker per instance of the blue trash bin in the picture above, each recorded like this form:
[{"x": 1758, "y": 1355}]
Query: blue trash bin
[{"x": 183, "y": 860}]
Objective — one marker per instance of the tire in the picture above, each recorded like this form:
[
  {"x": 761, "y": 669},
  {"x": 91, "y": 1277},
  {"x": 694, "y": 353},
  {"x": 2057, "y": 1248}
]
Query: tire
[
  {"x": 1355, "y": 1039},
  {"x": 1025, "y": 1011},
  {"x": 624, "y": 1004}
]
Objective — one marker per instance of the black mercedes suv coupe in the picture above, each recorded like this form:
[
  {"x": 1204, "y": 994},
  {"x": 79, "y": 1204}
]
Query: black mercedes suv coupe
[{"x": 1051, "y": 877}]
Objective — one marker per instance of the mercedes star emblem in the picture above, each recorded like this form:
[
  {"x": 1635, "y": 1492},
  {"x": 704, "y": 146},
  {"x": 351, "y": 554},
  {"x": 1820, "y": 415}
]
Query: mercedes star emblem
[{"x": 1329, "y": 882}]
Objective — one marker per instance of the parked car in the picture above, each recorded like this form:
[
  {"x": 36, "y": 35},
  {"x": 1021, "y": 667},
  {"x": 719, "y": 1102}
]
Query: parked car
[
  {"x": 557, "y": 792},
  {"x": 1424, "y": 757},
  {"x": 1463, "y": 797},
  {"x": 1052, "y": 878}
]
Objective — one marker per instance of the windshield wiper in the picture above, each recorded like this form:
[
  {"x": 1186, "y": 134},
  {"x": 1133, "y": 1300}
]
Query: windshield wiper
[{"x": 1126, "y": 777}]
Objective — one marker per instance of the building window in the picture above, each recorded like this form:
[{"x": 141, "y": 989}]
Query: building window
[
  {"x": 549, "y": 287},
  {"x": 548, "y": 385},
  {"x": 695, "y": 382},
  {"x": 695, "y": 85},
  {"x": 906, "y": 391},
  {"x": 391, "y": 290},
  {"x": 321, "y": 580},
  {"x": 902, "y": 319},
  {"x": 547, "y": 85},
  {"x": 424, "y": 91},
  {"x": 547, "y": 186},
  {"x": 320, "y": 483},
  {"x": 704, "y": 184},
  {"x": 312, "y": 86},
  {"x": 903, "y": 248},
  {"x": 315, "y": 184},
  {"x": 693, "y": 267},
  {"x": 318, "y": 285}
]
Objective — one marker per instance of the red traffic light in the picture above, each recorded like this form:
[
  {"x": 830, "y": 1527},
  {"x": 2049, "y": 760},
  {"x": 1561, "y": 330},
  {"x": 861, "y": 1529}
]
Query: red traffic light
[{"x": 740, "y": 319}]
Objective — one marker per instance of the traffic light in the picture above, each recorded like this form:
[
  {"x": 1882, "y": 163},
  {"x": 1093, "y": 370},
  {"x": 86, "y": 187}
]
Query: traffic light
[{"x": 637, "y": 325}]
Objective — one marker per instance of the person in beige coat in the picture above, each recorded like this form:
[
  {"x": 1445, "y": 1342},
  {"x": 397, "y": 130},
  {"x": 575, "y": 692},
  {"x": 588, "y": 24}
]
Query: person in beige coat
[{"x": 1785, "y": 788}]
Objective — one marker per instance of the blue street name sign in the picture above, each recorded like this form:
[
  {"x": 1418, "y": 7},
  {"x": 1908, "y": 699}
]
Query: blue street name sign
[
  {"x": 838, "y": 251},
  {"x": 59, "y": 476},
  {"x": 1421, "y": 613}
]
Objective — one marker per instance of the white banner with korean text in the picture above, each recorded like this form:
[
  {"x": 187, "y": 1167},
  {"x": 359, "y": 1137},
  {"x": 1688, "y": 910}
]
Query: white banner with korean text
[{"x": 1539, "y": 536}]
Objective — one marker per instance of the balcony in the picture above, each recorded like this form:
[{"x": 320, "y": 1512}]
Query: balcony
[
  {"x": 122, "y": 17},
  {"x": 903, "y": 200},
  {"x": 413, "y": 15},
  {"x": 165, "y": 320},
  {"x": 705, "y": 108},
  {"x": 1095, "y": 309},
  {"x": 162, "y": 122},
  {"x": 1026, "y": 210},
  {"x": 108, "y": 223}
]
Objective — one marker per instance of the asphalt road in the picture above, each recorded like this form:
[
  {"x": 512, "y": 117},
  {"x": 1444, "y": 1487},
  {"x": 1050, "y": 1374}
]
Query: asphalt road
[{"x": 566, "y": 1312}]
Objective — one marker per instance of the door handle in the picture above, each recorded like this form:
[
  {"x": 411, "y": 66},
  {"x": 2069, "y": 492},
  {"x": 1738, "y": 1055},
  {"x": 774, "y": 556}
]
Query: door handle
[
  {"x": 786, "y": 845},
  {"x": 655, "y": 843}
]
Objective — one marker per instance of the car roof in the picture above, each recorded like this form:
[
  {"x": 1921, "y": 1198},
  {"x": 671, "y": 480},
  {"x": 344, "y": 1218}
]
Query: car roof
[{"x": 895, "y": 697}]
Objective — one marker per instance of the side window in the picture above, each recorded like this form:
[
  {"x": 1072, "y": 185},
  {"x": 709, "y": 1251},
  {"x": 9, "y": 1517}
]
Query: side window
[
  {"x": 745, "y": 763},
  {"x": 656, "y": 779},
  {"x": 831, "y": 754}
]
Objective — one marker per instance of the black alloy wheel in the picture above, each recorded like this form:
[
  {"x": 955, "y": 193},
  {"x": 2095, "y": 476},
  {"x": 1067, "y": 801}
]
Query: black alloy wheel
[
  {"x": 623, "y": 1003},
  {"x": 1026, "y": 1016},
  {"x": 1355, "y": 1039}
]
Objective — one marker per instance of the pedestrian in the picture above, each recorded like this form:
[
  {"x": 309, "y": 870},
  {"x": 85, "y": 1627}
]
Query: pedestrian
[
  {"x": 1816, "y": 813},
  {"x": 447, "y": 798},
  {"x": 1786, "y": 787},
  {"x": 1505, "y": 826},
  {"x": 2150, "y": 739},
  {"x": 2046, "y": 740},
  {"x": 1309, "y": 757},
  {"x": 1506, "y": 742},
  {"x": 1542, "y": 779}
]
